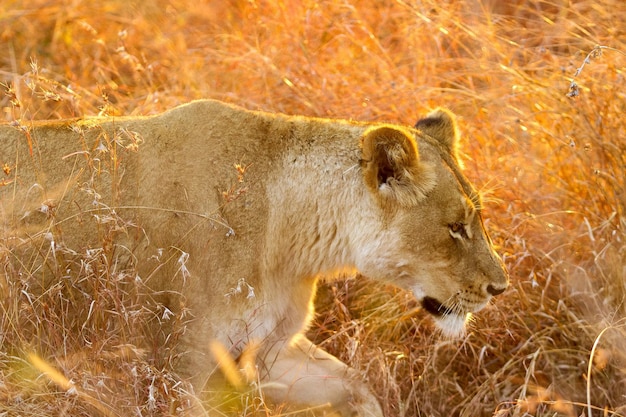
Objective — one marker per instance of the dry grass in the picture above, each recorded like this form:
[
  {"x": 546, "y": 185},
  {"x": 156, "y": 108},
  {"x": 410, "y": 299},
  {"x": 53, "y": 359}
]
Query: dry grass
[{"x": 551, "y": 166}]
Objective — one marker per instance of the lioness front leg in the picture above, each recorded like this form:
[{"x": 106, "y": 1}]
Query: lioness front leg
[{"x": 300, "y": 373}]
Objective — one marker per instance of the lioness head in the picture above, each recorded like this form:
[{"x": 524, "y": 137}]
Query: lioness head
[{"x": 433, "y": 240}]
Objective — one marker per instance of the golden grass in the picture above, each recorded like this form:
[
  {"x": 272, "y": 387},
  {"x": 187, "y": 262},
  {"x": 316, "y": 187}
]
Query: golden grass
[{"x": 551, "y": 166}]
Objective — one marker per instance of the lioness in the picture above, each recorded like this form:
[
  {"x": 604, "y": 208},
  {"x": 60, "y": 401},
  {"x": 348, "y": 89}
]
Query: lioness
[{"x": 252, "y": 209}]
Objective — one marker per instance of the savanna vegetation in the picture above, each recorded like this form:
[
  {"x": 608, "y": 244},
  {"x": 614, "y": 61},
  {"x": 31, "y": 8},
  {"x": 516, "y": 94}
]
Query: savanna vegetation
[{"x": 539, "y": 90}]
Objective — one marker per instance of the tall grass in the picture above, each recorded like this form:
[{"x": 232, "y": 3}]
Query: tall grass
[{"x": 550, "y": 164}]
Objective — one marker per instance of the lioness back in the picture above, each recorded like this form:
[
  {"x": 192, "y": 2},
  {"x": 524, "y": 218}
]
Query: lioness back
[{"x": 232, "y": 216}]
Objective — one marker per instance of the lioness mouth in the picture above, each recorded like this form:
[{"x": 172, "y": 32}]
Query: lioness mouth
[
  {"x": 435, "y": 308},
  {"x": 449, "y": 320}
]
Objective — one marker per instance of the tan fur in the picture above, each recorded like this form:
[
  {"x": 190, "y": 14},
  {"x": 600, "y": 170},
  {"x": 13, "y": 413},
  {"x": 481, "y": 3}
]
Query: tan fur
[{"x": 237, "y": 214}]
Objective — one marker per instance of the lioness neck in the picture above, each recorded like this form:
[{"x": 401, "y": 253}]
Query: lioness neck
[{"x": 308, "y": 214}]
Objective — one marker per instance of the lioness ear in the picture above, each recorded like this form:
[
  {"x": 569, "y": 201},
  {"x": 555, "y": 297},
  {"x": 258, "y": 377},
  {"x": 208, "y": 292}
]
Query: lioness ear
[
  {"x": 441, "y": 125},
  {"x": 392, "y": 167}
]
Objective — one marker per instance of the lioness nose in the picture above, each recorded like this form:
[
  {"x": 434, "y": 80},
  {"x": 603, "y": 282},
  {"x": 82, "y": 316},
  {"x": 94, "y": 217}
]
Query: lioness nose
[{"x": 495, "y": 290}]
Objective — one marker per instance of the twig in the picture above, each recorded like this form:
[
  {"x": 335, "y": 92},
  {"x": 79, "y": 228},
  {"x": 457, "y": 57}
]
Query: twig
[
  {"x": 589, "y": 368},
  {"x": 596, "y": 52}
]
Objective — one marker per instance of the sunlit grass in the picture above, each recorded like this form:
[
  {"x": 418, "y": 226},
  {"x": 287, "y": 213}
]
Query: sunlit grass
[{"x": 553, "y": 166}]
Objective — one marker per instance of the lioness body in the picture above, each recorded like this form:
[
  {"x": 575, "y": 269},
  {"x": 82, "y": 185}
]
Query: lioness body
[{"x": 237, "y": 214}]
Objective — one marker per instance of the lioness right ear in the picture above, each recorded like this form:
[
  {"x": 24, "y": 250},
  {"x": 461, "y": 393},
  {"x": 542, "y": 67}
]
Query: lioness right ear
[
  {"x": 441, "y": 124},
  {"x": 392, "y": 168}
]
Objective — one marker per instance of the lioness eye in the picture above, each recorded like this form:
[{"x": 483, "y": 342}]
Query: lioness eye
[{"x": 457, "y": 230}]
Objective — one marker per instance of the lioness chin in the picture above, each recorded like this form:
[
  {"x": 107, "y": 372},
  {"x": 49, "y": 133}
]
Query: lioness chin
[{"x": 235, "y": 215}]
